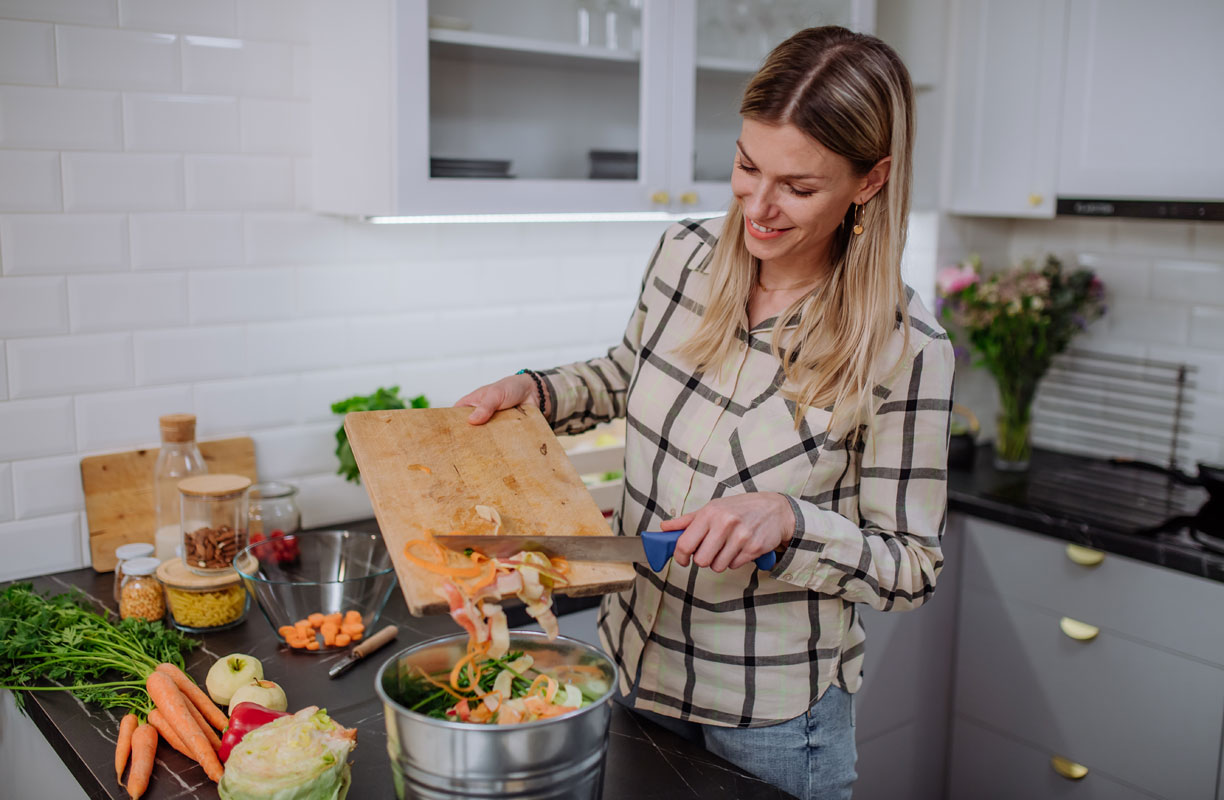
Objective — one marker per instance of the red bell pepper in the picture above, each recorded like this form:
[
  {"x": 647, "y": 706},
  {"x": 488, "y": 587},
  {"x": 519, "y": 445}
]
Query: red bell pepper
[{"x": 244, "y": 718}]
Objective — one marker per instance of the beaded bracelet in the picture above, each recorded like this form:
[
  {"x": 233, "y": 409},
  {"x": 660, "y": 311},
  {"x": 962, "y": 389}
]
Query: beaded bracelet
[{"x": 539, "y": 384}]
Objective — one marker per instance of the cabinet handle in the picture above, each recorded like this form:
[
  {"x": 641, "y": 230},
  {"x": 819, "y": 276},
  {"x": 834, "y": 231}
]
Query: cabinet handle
[
  {"x": 1079, "y": 631},
  {"x": 1035, "y": 200},
  {"x": 689, "y": 198},
  {"x": 1084, "y": 556},
  {"x": 1068, "y": 768},
  {"x": 660, "y": 198}
]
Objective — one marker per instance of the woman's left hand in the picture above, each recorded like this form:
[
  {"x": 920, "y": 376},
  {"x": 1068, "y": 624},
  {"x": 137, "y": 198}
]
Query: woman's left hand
[{"x": 729, "y": 532}]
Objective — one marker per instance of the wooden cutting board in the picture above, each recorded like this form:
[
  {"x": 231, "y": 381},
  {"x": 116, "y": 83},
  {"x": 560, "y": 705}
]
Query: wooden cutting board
[
  {"x": 429, "y": 469},
  {"x": 119, "y": 492}
]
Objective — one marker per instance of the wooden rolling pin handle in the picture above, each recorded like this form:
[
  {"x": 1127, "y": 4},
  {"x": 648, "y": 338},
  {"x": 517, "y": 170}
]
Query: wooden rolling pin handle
[{"x": 376, "y": 641}]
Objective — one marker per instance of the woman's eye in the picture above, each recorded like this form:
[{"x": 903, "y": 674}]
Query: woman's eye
[
  {"x": 801, "y": 192},
  {"x": 746, "y": 168}
]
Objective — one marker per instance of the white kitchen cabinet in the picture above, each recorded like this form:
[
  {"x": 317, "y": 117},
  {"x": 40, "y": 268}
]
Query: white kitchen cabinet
[
  {"x": 397, "y": 83},
  {"x": 1143, "y": 107},
  {"x": 1006, "y": 87},
  {"x": 1065, "y": 660}
]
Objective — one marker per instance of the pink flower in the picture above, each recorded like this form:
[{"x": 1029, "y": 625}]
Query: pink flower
[{"x": 951, "y": 280}]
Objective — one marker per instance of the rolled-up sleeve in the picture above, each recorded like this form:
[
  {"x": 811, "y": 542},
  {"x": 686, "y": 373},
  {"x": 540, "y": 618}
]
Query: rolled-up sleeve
[
  {"x": 890, "y": 557},
  {"x": 585, "y": 393}
]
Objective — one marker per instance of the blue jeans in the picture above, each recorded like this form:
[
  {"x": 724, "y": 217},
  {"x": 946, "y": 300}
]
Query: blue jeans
[{"x": 811, "y": 756}]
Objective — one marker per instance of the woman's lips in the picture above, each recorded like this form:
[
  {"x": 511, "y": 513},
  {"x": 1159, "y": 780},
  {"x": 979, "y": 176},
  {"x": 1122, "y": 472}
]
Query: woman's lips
[{"x": 766, "y": 234}]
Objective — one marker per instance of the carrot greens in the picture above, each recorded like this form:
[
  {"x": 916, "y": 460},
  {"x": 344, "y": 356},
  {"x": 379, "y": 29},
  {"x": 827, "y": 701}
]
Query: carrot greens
[{"x": 62, "y": 639}]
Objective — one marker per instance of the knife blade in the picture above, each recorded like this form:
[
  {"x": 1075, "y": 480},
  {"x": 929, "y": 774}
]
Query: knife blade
[
  {"x": 652, "y": 547},
  {"x": 362, "y": 650}
]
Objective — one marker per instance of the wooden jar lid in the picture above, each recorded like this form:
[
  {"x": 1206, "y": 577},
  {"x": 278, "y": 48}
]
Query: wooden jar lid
[
  {"x": 177, "y": 427},
  {"x": 174, "y": 573},
  {"x": 214, "y": 485}
]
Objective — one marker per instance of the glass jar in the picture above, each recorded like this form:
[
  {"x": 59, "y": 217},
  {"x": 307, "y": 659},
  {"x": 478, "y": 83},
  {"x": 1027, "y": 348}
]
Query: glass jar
[
  {"x": 178, "y": 458},
  {"x": 214, "y": 521},
  {"x": 128, "y": 552},
  {"x": 273, "y": 510},
  {"x": 141, "y": 592},
  {"x": 198, "y": 604}
]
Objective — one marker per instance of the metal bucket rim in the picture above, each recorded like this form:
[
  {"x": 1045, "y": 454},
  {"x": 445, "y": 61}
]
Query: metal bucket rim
[{"x": 469, "y": 726}]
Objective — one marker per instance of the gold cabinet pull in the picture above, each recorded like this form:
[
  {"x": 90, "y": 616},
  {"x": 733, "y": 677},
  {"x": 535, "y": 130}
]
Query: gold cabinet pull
[
  {"x": 660, "y": 198},
  {"x": 1068, "y": 768},
  {"x": 689, "y": 198},
  {"x": 1035, "y": 200},
  {"x": 1079, "y": 631},
  {"x": 1084, "y": 556}
]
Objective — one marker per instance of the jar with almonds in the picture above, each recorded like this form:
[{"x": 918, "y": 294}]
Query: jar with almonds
[{"x": 214, "y": 521}]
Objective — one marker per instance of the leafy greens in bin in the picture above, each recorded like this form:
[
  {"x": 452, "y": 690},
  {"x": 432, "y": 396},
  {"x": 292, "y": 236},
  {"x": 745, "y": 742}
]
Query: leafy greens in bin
[{"x": 382, "y": 400}]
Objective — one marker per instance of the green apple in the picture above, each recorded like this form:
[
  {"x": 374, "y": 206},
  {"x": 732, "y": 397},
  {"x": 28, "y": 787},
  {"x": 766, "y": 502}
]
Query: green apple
[
  {"x": 265, "y": 693},
  {"x": 229, "y": 674}
]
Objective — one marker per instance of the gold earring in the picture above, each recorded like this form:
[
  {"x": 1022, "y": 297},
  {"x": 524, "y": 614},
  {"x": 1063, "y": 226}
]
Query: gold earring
[{"x": 858, "y": 220}]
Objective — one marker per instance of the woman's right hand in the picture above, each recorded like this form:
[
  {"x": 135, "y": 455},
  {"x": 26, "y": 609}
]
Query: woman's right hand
[{"x": 515, "y": 390}]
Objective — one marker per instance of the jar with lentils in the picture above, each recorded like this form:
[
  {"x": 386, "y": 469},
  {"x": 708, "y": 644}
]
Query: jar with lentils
[{"x": 141, "y": 593}]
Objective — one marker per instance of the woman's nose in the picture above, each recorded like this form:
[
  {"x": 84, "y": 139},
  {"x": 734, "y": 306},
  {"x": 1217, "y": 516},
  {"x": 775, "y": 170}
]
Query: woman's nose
[{"x": 759, "y": 202}]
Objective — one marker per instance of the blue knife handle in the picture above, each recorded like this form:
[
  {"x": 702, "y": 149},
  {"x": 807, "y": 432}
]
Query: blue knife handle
[{"x": 661, "y": 545}]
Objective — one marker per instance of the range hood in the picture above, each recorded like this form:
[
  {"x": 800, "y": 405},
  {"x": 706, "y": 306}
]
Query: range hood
[{"x": 1185, "y": 210}]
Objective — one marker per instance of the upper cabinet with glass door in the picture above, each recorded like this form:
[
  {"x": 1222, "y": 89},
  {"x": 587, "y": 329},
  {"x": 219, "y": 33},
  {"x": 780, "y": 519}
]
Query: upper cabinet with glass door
[
  {"x": 540, "y": 106},
  {"x": 723, "y": 43}
]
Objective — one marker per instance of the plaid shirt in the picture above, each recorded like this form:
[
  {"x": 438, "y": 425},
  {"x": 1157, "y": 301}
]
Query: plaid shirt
[{"x": 744, "y": 647}]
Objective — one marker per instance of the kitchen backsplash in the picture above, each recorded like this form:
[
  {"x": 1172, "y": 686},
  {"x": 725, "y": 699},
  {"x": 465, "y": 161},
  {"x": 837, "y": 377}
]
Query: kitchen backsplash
[
  {"x": 157, "y": 255},
  {"x": 1165, "y": 294}
]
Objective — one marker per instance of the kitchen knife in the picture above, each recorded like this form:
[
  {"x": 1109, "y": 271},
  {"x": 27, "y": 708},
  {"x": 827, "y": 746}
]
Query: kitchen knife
[
  {"x": 362, "y": 650},
  {"x": 652, "y": 547}
]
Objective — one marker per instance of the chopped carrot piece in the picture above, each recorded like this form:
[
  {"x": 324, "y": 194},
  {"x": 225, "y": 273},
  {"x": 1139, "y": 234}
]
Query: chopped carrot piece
[
  {"x": 329, "y": 637},
  {"x": 333, "y": 619},
  {"x": 312, "y": 645},
  {"x": 287, "y": 631},
  {"x": 315, "y": 619},
  {"x": 352, "y": 615},
  {"x": 342, "y": 640},
  {"x": 352, "y": 627},
  {"x": 355, "y": 636},
  {"x": 302, "y": 623}
]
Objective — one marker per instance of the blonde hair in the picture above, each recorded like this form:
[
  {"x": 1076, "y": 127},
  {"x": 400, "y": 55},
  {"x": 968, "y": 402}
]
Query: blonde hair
[{"x": 851, "y": 93}]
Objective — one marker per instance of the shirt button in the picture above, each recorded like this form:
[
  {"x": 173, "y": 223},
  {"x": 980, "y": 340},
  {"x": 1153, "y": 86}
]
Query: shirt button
[
  {"x": 671, "y": 512},
  {"x": 788, "y": 576}
]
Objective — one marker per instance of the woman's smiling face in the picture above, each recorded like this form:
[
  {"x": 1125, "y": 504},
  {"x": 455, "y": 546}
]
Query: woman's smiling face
[{"x": 794, "y": 193}]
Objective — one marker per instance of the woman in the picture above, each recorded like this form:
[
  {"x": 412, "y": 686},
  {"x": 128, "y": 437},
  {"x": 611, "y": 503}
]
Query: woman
[{"x": 784, "y": 390}]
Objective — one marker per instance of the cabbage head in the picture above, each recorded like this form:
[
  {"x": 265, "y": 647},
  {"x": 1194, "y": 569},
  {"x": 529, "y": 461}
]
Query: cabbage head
[{"x": 300, "y": 757}]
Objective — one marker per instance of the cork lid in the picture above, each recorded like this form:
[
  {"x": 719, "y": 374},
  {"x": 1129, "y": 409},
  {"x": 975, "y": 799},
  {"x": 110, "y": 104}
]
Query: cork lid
[
  {"x": 177, "y": 427},
  {"x": 175, "y": 574},
  {"x": 214, "y": 485}
]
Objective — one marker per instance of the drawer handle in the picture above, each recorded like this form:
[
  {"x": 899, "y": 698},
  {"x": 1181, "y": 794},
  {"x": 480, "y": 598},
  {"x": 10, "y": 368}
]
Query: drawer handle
[
  {"x": 1079, "y": 631},
  {"x": 1084, "y": 556},
  {"x": 1068, "y": 768},
  {"x": 660, "y": 198}
]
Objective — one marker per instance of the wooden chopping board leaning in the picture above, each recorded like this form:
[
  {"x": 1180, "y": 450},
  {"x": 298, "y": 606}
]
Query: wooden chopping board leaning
[{"x": 428, "y": 470}]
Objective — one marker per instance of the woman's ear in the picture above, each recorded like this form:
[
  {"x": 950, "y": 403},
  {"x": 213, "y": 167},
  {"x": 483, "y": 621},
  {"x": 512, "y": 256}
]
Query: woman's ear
[{"x": 874, "y": 180}]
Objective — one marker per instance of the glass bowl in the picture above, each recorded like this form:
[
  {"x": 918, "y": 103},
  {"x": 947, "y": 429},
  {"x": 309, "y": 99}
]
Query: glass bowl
[{"x": 315, "y": 588}]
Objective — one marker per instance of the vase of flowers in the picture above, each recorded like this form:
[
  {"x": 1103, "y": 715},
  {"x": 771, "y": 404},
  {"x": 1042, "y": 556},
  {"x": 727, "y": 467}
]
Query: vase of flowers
[{"x": 1016, "y": 321}]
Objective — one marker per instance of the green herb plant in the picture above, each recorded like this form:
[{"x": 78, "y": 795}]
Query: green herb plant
[
  {"x": 382, "y": 400},
  {"x": 62, "y": 639}
]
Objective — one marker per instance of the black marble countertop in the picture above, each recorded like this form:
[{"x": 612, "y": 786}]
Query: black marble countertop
[
  {"x": 645, "y": 761},
  {"x": 1104, "y": 515}
]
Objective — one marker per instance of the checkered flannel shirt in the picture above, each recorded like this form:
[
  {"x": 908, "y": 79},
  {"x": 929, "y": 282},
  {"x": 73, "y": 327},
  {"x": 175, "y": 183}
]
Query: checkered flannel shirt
[{"x": 744, "y": 647}]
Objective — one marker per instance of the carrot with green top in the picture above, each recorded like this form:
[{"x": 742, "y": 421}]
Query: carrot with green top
[
  {"x": 144, "y": 753},
  {"x": 158, "y": 720},
  {"x": 124, "y": 746},
  {"x": 167, "y": 697},
  {"x": 215, "y": 716}
]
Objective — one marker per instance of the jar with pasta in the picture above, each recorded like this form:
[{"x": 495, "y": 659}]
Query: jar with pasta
[
  {"x": 202, "y": 604},
  {"x": 141, "y": 593}
]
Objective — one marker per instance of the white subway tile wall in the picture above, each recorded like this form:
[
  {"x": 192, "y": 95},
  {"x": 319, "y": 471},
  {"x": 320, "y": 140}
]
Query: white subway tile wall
[{"x": 1165, "y": 296}]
